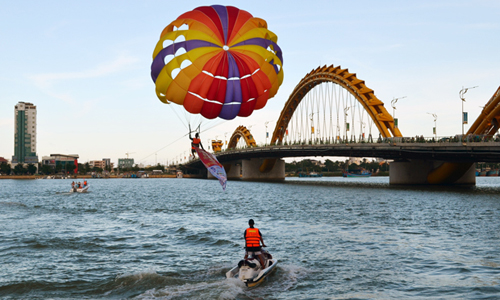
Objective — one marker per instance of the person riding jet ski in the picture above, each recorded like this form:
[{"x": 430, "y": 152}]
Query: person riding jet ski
[
  {"x": 253, "y": 238},
  {"x": 258, "y": 263}
]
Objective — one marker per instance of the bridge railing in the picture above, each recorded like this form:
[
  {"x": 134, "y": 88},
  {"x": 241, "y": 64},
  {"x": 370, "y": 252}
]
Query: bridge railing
[
  {"x": 392, "y": 140},
  {"x": 442, "y": 139}
]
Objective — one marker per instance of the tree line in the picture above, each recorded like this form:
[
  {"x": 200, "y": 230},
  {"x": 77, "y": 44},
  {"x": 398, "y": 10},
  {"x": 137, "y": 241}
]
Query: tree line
[
  {"x": 83, "y": 169},
  {"x": 329, "y": 166}
]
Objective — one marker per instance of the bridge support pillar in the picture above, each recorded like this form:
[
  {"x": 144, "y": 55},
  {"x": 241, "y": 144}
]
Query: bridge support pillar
[
  {"x": 233, "y": 171},
  {"x": 250, "y": 170},
  {"x": 415, "y": 172}
]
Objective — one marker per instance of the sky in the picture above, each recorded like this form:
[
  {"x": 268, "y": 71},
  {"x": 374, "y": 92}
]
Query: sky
[{"x": 86, "y": 66}]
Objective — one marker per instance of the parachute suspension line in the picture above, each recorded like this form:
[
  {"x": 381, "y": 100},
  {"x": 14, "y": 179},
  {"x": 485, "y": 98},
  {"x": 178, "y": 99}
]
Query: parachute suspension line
[
  {"x": 182, "y": 137},
  {"x": 216, "y": 124},
  {"x": 178, "y": 117}
]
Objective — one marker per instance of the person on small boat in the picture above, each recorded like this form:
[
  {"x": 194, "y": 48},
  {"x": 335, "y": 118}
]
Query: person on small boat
[
  {"x": 73, "y": 186},
  {"x": 253, "y": 239},
  {"x": 85, "y": 183},
  {"x": 196, "y": 142}
]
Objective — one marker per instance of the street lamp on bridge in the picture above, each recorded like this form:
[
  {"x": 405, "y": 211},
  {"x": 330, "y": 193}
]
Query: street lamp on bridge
[
  {"x": 393, "y": 104},
  {"x": 346, "y": 124},
  {"x": 435, "y": 124},
  {"x": 464, "y": 114},
  {"x": 267, "y": 122}
]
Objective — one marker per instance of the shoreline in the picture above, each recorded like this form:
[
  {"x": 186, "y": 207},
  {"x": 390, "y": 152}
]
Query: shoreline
[
  {"x": 81, "y": 177},
  {"x": 114, "y": 176}
]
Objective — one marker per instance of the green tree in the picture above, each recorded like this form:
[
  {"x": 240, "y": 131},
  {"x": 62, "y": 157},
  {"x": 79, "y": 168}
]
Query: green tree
[
  {"x": 86, "y": 168},
  {"x": 5, "y": 168},
  {"x": 31, "y": 169},
  {"x": 96, "y": 169},
  {"x": 46, "y": 170},
  {"x": 330, "y": 166},
  {"x": 69, "y": 168},
  {"x": 19, "y": 169}
]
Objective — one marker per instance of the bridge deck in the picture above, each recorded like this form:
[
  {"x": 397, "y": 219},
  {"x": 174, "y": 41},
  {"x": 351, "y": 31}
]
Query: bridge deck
[{"x": 451, "y": 152}]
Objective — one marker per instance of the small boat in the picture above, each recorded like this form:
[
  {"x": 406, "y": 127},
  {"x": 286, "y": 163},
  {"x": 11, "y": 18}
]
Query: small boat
[
  {"x": 492, "y": 173},
  {"x": 79, "y": 190},
  {"x": 311, "y": 174},
  {"x": 356, "y": 173},
  {"x": 250, "y": 271}
]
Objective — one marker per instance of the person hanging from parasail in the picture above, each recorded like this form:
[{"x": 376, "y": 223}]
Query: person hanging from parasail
[{"x": 195, "y": 142}]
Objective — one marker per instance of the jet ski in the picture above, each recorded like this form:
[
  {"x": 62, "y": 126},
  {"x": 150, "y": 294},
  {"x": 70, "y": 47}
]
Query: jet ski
[{"x": 251, "y": 272}]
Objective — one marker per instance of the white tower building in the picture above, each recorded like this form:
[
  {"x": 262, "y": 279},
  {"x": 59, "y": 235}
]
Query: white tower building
[{"x": 25, "y": 134}]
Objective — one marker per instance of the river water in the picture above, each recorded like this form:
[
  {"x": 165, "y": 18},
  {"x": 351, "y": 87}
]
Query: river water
[{"x": 334, "y": 238}]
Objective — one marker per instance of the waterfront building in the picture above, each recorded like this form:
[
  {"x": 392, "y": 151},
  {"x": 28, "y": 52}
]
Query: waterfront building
[
  {"x": 101, "y": 164},
  {"x": 108, "y": 163},
  {"x": 125, "y": 163},
  {"x": 25, "y": 134},
  {"x": 59, "y": 161}
]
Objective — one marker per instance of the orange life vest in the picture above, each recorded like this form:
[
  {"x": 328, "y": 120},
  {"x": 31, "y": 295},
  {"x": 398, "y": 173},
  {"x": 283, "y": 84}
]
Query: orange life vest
[
  {"x": 252, "y": 237},
  {"x": 196, "y": 143}
]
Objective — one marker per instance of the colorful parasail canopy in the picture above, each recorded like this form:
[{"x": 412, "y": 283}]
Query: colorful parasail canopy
[{"x": 217, "y": 61}]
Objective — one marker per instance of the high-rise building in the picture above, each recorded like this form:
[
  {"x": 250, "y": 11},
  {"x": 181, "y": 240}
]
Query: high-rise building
[{"x": 25, "y": 134}]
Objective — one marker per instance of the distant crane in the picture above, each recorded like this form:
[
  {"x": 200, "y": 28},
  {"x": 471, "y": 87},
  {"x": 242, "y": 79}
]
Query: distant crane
[{"x": 129, "y": 153}]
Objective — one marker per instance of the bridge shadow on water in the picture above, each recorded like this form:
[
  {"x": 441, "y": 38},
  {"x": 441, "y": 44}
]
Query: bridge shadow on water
[{"x": 478, "y": 189}]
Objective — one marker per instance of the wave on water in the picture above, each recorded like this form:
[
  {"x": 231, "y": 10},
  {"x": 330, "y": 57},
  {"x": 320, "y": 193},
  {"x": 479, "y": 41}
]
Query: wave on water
[
  {"x": 133, "y": 284},
  {"x": 12, "y": 203},
  {"x": 226, "y": 289},
  {"x": 286, "y": 277}
]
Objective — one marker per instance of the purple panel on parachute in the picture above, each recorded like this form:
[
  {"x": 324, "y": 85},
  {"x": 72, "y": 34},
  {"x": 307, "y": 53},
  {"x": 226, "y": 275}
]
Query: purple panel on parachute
[
  {"x": 232, "y": 101},
  {"x": 264, "y": 44},
  {"x": 222, "y": 12},
  {"x": 159, "y": 63}
]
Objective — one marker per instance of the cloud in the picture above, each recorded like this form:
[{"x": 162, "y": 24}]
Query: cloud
[{"x": 47, "y": 81}]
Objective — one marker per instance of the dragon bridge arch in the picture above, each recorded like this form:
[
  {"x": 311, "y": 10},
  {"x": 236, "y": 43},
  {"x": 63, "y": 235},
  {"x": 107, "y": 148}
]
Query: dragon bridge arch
[
  {"x": 373, "y": 106},
  {"x": 241, "y": 132},
  {"x": 356, "y": 87}
]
